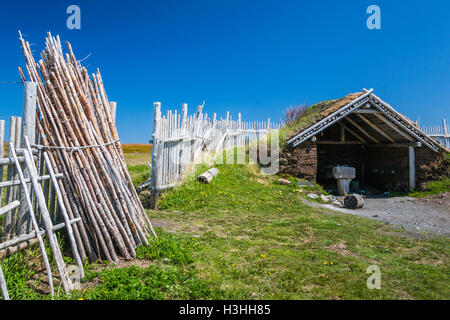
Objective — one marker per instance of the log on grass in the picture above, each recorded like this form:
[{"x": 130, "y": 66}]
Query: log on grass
[
  {"x": 207, "y": 176},
  {"x": 353, "y": 201}
]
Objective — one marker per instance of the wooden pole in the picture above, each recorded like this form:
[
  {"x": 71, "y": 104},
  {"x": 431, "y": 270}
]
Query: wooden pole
[
  {"x": 28, "y": 131},
  {"x": 2, "y": 154},
  {"x": 155, "y": 154},
  {"x": 113, "y": 105},
  {"x": 60, "y": 265},
  {"x": 69, "y": 229},
  {"x": 412, "y": 168},
  {"x": 11, "y": 193},
  {"x": 33, "y": 219},
  {"x": 3, "y": 287}
]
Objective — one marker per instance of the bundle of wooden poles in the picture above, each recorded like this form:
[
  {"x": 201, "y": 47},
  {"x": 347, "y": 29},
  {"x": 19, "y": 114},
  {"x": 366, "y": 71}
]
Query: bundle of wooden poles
[{"x": 76, "y": 127}]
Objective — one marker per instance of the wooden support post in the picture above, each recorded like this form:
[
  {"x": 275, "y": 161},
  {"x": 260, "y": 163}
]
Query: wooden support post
[
  {"x": 28, "y": 131},
  {"x": 412, "y": 168},
  {"x": 11, "y": 193},
  {"x": 156, "y": 155},
  {"x": 113, "y": 105},
  {"x": 3, "y": 287},
  {"x": 2, "y": 154}
]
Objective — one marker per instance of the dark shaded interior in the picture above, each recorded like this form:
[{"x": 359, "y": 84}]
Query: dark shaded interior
[{"x": 381, "y": 164}]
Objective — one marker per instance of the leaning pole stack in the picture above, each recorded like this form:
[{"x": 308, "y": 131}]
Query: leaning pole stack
[{"x": 75, "y": 127}]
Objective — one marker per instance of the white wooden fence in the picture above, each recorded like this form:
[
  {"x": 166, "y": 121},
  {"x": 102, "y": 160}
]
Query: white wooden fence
[
  {"x": 440, "y": 133},
  {"x": 180, "y": 140}
]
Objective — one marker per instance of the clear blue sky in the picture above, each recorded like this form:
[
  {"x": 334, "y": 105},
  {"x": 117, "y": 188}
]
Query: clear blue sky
[{"x": 255, "y": 57}]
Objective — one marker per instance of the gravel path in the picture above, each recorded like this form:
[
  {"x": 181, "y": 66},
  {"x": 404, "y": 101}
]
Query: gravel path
[{"x": 429, "y": 214}]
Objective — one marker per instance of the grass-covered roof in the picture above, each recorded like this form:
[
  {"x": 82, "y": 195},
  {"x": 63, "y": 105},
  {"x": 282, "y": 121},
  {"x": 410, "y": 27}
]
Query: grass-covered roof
[{"x": 313, "y": 115}]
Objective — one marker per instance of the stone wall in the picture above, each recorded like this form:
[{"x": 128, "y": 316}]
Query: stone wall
[
  {"x": 430, "y": 166},
  {"x": 300, "y": 162}
]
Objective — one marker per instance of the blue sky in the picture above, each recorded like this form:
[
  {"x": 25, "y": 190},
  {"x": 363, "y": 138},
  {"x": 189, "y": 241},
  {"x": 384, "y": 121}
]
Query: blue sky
[{"x": 254, "y": 57}]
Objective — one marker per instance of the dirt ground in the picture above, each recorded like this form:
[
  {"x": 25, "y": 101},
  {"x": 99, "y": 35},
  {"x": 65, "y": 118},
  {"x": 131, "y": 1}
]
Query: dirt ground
[{"x": 430, "y": 214}]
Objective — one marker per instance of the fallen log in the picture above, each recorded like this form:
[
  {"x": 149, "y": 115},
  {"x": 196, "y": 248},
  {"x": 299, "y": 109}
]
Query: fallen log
[
  {"x": 206, "y": 177},
  {"x": 353, "y": 201}
]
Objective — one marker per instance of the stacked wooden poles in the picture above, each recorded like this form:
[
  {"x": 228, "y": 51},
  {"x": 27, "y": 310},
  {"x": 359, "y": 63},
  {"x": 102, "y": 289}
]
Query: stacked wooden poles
[{"x": 77, "y": 130}]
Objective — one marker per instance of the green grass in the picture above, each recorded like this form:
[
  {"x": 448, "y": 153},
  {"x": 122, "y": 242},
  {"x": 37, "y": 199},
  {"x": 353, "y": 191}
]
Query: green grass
[
  {"x": 245, "y": 236},
  {"x": 258, "y": 238},
  {"x": 433, "y": 187},
  {"x": 167, "y": 273},
  {"x": 139, "y": 174}
]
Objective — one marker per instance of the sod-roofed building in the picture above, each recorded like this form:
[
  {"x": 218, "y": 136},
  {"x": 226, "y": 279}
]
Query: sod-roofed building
[{"x": 388, "y": 151}]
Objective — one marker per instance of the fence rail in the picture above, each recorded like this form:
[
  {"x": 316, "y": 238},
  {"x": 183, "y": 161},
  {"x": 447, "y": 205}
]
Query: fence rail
[
  {"x": 439, "y": 132},
  {"x": 180, "y": 140}
]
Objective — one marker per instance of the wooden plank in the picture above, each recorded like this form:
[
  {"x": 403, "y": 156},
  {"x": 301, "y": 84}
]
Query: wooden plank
[
  {"x": 376, "y": 128},
  {"x": 362, "y": 130}
]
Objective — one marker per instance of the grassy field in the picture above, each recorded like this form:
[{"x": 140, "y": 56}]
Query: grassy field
[
  {"x": 137, "y": 156},
  {"x": 245, "y": 236}
]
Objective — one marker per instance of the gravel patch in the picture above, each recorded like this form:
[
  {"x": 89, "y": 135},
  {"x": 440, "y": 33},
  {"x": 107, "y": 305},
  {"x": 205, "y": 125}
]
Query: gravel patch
[{"x": 429, "y": 214}]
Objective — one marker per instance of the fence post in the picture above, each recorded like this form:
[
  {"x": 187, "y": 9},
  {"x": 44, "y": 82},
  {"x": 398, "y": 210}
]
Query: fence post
[
  {"x": 2, "y": 154},
  {"x": 28, "y": 130},
  {"x": 113, "y": 105},
  {"x": 155, "y": 156},
  {"x": 446, "y": 134}
]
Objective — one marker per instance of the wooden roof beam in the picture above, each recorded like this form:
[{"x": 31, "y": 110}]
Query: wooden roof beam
[
  {"x": 367, "y": 111},
  {"x": 375, "y": 127},
  {"x": 362, "y": 130},
  {"x": 352, "y": 132},
  {"x": 395, "y": 128}
]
